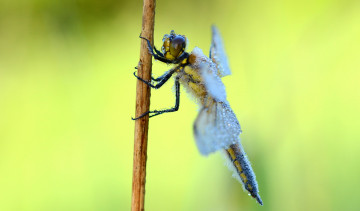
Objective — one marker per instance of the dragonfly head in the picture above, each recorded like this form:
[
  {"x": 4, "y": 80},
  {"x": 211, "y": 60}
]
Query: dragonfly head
[{"x": 174, "y": 45}]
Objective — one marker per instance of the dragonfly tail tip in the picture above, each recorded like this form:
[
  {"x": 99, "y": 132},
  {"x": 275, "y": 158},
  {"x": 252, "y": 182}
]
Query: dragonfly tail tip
[{"x": 258, "y": 199}]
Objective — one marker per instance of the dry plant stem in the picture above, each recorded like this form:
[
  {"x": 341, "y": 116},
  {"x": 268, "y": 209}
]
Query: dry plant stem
[{"x": 142, "y": 106}]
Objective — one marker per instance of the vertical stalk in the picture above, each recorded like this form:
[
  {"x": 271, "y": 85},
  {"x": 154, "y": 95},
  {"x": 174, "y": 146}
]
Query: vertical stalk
[{"x": 142, "y": 106}]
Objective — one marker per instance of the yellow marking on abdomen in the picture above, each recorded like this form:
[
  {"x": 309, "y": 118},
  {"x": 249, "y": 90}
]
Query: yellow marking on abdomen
[
  {"x": 231, "y": 153},
  {"x": 243, "y": 177},
  {"x": 249, "y": 186},
  {"x": 238, "y": 166}
]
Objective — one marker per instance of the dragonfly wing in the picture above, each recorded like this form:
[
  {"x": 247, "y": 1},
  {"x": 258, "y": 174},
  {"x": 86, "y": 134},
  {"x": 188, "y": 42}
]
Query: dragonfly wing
[
  {"x": 217, "y": 53},
  {"x": 216, "y": 127},
  {"x": 214, "y": 85}
]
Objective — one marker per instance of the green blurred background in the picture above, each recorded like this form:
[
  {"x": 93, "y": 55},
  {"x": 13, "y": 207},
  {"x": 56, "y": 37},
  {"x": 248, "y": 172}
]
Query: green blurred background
[{"x": 67, "y": 94}]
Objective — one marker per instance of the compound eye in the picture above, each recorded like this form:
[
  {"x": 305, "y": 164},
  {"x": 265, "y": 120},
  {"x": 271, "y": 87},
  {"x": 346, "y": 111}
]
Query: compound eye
[{"x": 177, "y": 45}]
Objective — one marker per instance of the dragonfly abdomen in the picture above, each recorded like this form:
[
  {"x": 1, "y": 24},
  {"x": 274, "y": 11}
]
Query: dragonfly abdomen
[{"x": 244, "y": 170}]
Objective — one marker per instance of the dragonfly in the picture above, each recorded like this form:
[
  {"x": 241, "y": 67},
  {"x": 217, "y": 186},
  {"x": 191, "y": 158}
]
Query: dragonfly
[{"x": 216, "y": 126}]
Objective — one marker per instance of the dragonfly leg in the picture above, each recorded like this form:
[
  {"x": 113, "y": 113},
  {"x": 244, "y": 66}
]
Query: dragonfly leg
[
  {"x": 162, "y": 79},
  {"x": 173, "y": 109},
  {"x": 158, "y": 78}
]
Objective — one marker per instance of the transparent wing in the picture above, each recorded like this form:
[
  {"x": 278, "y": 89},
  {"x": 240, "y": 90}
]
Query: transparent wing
[
  {"x": 216, "y": 127},
  {"x": 212, "y": 81},
  {"x": 217, "y": 53}
]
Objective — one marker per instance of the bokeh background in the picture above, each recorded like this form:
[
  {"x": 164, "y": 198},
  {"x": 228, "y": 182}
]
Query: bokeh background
[{"x": 67, "y": 94}]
